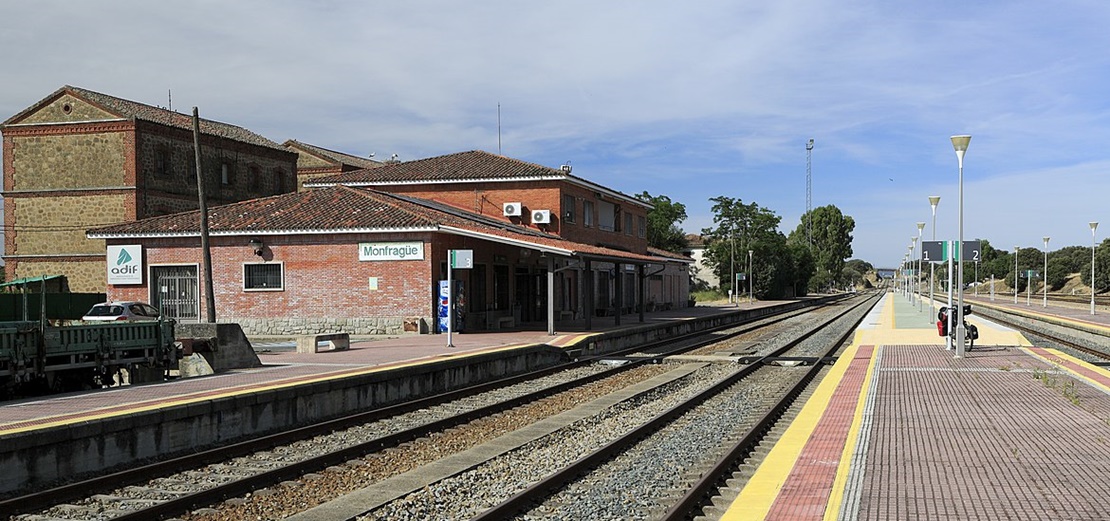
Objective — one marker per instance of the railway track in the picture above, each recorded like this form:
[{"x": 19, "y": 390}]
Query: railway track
[{"x": 176, "y": 486}]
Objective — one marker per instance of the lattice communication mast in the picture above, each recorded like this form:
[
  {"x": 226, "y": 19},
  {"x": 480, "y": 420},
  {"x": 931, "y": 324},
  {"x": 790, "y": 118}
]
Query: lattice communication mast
[{"x": 809, "y": 191}]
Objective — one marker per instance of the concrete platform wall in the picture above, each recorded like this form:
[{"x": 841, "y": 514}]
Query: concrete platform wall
[{"x": 37, "y": 457}]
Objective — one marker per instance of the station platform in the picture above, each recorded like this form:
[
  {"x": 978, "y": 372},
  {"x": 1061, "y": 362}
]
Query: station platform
[
  {"x": 284, "y": 368},
  {"x": 902, "y": 428}
]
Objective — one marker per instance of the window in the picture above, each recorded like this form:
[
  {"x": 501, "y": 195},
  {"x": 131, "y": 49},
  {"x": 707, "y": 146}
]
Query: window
[
  {"x": 568, "y": 208},
  {"x": 478, "y": 288},
  {"x": 607, "y": 216},
  {"x": 279, "y": 181},
  {"x": 163, "y": 162},
  {"x": 627, "y": 223},
  {"x": 263, "y": 277},
  {"x": 500, "y": 287},
  {"x": 255, "y": 177},
  {"x": 641, "y": 230},
  {"x": 588, "y": 213},
  {"x": 225, "y": 174}
]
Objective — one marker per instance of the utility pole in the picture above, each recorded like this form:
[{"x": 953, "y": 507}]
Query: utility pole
[{"x": 210, "y": 297}]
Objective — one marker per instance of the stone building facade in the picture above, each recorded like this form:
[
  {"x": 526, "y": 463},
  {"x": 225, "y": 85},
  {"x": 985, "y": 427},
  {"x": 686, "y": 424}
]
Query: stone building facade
[{"x": 79, "y": 159}]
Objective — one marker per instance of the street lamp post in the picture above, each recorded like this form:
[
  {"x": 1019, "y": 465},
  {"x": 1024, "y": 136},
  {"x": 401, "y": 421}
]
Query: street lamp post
[
  {"x": 1015, "y": 274},
  {"x": 1094, "y": 225},
  {"x": 913, "y": 266},
  {"x": 960, "y": 143},
  {"x": 909, "y": 267},
  {"x": 750, "y": 277},
  {"x": 934, "y": 200},
  {"x": 1045, "y": 277},
  {"x": 917, "y": 276}
]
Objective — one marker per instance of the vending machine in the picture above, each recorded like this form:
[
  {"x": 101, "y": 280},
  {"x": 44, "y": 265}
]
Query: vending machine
[{"x": 459, "y": 303}]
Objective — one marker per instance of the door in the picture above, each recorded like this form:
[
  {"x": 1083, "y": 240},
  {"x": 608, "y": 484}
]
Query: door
[{"x": 176, "y": 291}]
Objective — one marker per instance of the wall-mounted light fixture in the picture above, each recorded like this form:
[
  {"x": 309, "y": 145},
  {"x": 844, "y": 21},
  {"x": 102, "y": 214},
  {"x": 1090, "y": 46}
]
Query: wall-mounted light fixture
[{"x": 257, "y": 246}]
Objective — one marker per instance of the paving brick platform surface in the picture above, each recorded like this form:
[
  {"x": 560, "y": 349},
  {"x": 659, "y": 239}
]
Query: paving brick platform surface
[{"x": 999, "y": 434}]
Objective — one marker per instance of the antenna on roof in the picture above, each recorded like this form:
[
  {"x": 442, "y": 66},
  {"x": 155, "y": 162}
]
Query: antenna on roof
[
  {"x": 393, "y": 158},
  {"x": 566, "y": 167},
  {"x": 499, "y": 129},
  {"x": 169, "y": 97}
]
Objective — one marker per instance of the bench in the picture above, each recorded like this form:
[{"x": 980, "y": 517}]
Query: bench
[
  {"x": 335, "y": 341},
  {"x": 507, "y": 321}
]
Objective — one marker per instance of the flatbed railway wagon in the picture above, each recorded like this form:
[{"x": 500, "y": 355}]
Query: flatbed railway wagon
[{"x": 39, "y": 357}]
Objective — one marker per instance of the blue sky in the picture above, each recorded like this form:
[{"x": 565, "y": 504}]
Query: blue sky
[{"x": 687, "y": 99}]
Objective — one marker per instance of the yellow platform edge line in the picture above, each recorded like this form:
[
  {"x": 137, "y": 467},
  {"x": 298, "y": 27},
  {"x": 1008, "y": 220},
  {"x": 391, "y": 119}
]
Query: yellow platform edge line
[
  {"x": 1093, "y": 383},
  {"x": 188, "y": 399},
  {"x": 756, "y": 498}
]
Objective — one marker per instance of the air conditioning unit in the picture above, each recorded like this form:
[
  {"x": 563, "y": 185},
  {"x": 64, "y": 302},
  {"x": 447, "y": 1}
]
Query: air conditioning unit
[
  {"x": 541, "y": 216},
  {"x": 512, "y": 209}
]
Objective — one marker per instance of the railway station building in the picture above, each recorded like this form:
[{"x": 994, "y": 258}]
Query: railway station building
[
  {"x": 366, "y": 261},
  {"x": 79, "y": 159}
]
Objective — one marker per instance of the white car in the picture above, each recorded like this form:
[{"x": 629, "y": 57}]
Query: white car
[{"x": 122, "y": 311}]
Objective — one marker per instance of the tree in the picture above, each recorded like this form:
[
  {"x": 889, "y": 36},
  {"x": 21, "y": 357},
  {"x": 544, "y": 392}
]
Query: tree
[
  {"x": 831, "y": 234},
  {"x": 779, "y": 268},
  {"x": 662, "y": 223}
]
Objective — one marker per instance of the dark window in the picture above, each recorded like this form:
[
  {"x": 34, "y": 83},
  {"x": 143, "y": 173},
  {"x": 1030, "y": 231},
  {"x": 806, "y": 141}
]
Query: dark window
[
  {"x": 628, "y": 223},
  {"x": 568, "y": 208},
  {"x": 225, "y": 174},
  {"x": 478, "y": 287},
  {"x": 501, "y": 287},
  {"x": 588, "y": 213},
  {"x": 262, "y": 276},
  {"x": 255, "y": 177},
  {"x": 163, "y": 166},
  {"x": 279, "y": 181},
  {"x": 642, "y": 229}
]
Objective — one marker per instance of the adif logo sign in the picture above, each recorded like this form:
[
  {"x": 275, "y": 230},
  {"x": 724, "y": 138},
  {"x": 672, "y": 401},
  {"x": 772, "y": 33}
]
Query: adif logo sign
[{"x": 125, "y": 264}]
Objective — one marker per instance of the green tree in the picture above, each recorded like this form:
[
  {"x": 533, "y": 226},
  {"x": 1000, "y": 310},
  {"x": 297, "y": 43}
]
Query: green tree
[
  {"x": 830, "y": 240},
  {"x": 662, "y": 223},
  {"x": 740, "y": 227}
]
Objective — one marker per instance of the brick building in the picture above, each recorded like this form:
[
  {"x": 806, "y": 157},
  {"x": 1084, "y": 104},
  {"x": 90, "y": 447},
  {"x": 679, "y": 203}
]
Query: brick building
[
  {"x": 314, "y": 161},
  {"x": 370, "y": 262},
  {"x": 79, "y": 159},
  {"x": 552, "y": 200}
]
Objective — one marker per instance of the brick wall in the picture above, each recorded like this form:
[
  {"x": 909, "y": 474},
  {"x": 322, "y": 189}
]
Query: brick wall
[{"x": 489, "y": 199}]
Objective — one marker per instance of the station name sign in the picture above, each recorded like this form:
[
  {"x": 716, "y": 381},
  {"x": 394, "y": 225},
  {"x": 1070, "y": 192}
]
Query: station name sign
[{"x": 389, "y": 251}]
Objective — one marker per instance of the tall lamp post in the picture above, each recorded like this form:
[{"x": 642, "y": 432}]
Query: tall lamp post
[
  {"x": 909, "y": 265},
  {"x": 1045, "y": 278},
  {"x": 934, "y": 200},
  {"x": 960, "y": 143},
  {"x": 917, "y": 276},
  {"x": 1094, "y": 225},
  {"x": 750, "y": 277},
  {"x": 1015, "y": 274}
]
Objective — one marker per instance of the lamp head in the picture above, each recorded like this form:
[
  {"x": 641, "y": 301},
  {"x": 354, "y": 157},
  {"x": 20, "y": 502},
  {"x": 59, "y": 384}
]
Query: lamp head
[
  {"x": 920, "y": 226},
  {"x": 257, "y": 246},
  {"x": 1094, "y": 225},
  {"x": 1046, "y": 241},
  {"x": 960, "y": 144}
]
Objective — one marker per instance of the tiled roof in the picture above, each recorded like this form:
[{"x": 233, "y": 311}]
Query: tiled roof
[
  {"x": 133, "y": 110},
  {"x": 474, "y": 165},
  {"x": 346, "y": 209},
  {"x": 659, "y": 252},
  {"x": 332, "y": 155}
]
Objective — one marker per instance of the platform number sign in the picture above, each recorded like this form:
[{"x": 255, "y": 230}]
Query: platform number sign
[
  {"x": 941, "y": 251},
  {"x": 462, "y": 259}
]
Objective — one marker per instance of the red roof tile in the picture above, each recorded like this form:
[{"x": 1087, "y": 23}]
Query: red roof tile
[{"x": 346, "y": 209}]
